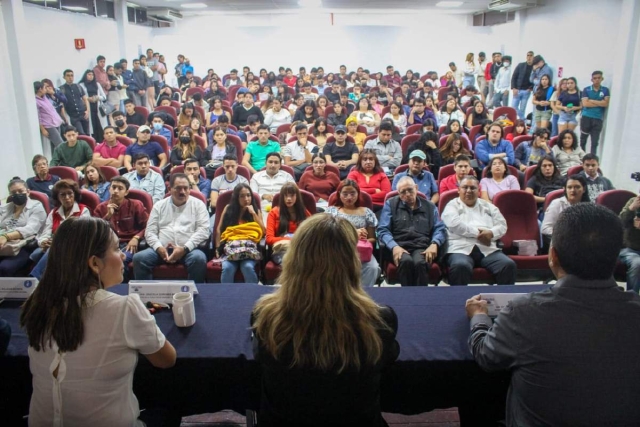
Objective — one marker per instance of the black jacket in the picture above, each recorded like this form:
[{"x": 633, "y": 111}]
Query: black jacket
[{"x": 520, "y": 77}]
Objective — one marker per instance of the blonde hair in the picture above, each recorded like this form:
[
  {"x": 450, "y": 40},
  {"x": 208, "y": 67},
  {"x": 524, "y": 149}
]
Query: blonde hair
[{"x": 321, "y": 309}]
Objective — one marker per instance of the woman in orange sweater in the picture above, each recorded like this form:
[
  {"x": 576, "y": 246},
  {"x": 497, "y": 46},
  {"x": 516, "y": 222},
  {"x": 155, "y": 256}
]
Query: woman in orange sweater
[
  {"x": 370, "y": 177},
  {"x": 283, "y": 220}
]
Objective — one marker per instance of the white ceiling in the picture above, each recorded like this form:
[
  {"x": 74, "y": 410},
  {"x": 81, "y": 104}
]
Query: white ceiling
[{"x": 262, "y": 6}]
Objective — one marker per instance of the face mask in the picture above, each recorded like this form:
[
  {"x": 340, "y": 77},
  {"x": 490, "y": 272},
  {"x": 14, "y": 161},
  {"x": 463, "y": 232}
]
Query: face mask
[
  {"x": 19, "y": 199},
  {"x": 157, "y": 126},
  {"x": 185, "y": 139},
  {"x": 119, "y": 123},
  {"x": 506, "y": 64}
]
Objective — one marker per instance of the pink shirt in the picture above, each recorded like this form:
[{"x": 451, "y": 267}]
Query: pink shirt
[
  {"x": 110, "y": 152},
  {"x": 48, "y": 117}
]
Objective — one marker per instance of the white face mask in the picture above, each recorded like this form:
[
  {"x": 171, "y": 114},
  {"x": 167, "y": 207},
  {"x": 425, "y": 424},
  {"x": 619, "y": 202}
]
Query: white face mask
[{"x": 506, "y": 64}]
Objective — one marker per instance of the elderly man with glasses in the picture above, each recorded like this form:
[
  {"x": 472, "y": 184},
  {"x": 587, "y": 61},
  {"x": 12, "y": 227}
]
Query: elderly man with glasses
[
  {"x": 473, "y": 227},
  {"x": 412, "y": 232}
]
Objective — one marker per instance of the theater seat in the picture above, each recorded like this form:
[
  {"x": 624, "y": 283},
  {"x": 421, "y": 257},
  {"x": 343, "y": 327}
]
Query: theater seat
[
  {"x": 65, "y": 172},
  {"x": 90, "y": 199},
  {"x": 520, "y": 211},
  {"x": 614, "y": 199},
  {"x": 391, "y": 273},
  {"x": 42, "y": 198}
]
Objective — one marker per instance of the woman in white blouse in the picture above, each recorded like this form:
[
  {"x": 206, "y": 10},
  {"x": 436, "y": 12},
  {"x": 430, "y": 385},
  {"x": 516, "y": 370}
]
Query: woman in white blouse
[
  {"x": 450, "y": 111},
  {"x": 83, "y": 340},
  {"x": 567, "y": 151},
  {"x": 575, "y": 191}
]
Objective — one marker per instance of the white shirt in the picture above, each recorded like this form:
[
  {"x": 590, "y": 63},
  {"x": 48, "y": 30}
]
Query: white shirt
[
  {"x": 503, "y": 79},
  {"x": 93, "y": 385},
  {"x": 273, "y": 119},
  {"x": 464, "y": 223},
  {"x": 552, "y": 214},
  {"x": 152, "y": 183},
  {"x": 186, "y": 225},
  {"x": 47, "y": 231},
  {"x": 263, "y": 184},
  {"x": 296, "y": 151}
]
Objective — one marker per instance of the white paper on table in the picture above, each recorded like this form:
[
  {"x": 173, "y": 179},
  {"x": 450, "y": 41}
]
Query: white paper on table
[{"x": 496, "y": 302}]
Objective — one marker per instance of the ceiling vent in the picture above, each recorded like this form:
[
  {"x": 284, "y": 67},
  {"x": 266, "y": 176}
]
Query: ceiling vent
[
  {"x": 164, "y": 14},
  {"x": 511, "y": 5}
]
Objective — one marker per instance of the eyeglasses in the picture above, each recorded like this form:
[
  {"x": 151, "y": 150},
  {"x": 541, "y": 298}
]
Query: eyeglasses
[
  {"x": 407, "y": 191},
  {"x": 469, "y": 188},
  {"x": 66, "y": 195}
]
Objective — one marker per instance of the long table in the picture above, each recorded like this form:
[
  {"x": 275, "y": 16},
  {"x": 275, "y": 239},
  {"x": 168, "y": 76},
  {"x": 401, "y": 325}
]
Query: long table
[{"x": 215, "y": 369}]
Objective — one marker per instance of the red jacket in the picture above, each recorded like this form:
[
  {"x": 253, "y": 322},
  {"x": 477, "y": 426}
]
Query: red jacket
[
  {"x": 290, "y": 81},
  {"x": 57, "y": 219},
  {"x": 378, "y": 181},
  {"x": 273, "y": 223},
  {"x": 487, "y": 71}
]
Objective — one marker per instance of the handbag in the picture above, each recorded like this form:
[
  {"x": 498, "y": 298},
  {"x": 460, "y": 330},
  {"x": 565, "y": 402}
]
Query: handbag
[
  {"x": 365, "y": 250},
  {"x": 13, "y": 247},
  {"x": 105, "y": 108},
  {"x": 239, "y": 250}
]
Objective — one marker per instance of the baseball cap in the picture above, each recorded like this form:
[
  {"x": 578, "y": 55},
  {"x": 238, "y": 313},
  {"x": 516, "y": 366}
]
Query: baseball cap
[
  {"x": 418, "y": 153},
  {"x": 340, "y": 128},
  {"x": 144, "y": 128},
  {"x": 351, "y": 120}
]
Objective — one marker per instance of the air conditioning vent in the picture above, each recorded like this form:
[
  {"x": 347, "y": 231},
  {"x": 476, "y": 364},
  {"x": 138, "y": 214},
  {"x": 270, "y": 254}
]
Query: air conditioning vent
[
  {"x": 162, "y": 14},
  {"x": 511, "y": 5}
]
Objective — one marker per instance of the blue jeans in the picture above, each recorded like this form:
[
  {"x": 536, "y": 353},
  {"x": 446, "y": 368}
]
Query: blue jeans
[
  {"x": 631, "y": 259},
  {"x": 370, "y": 272},
  {"x": 195, "y": 262},
  {"x": 40, "y": 257},
  {"x": 468, "y": 81},
  {"x": 247, "y": 267},
  {"x": 10, "y": 265},
  {"x": 500, "y": 99},
  {"x": 519, "y": 102}
]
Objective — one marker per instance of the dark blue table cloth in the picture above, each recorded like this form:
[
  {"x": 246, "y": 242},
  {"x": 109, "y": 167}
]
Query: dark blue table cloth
[{"x": 215, "y": 368}]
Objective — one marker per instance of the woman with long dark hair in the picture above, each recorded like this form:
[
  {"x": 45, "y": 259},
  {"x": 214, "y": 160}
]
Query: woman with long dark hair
[
  {"x": 318, "y": 181},
  {"x": 452, "y": 148},
  {"x": 243, "y": 208},
  {"x": 370, "y": 177},
  {"x": 347, "y": 206},
  {"x": 307, "y": 114},
  {"x": 320, "y": 132},
  {"x": 542, "y": 102},
  {"x": 186, "y": 147},
  {"x": 95, "y": 182},
  {"x": 321, "y": 340},
  {"x": 84, "y": 341},
  {"x": 498, "y": 179},
  {"x": 96, "y": 96},
  {"x": 545, "y": 179},
  {"x": 567, "y": 151},
  {"x": 284, "y": 219},
  {"x": 575, "y": 191}
]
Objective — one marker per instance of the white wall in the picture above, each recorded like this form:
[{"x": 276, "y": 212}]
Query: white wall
[
  {"x": 51, "y": 35},
  {"x": 371, "y": 41},
  {"x": 13, "y": 160}
]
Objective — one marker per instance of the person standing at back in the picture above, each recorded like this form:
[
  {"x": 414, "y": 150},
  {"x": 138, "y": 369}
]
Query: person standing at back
[
  {"x": 595, "y": 99},
  {"x": 521, "y": 86},
  {"x": 571, "y": 349}
]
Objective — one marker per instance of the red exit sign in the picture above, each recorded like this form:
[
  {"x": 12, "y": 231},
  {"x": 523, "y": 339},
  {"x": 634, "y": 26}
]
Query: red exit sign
[{"x": 79, "y": 43}]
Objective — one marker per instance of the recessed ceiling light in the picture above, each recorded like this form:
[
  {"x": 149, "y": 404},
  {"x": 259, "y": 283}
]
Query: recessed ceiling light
[
  {"x": 310, "y": 3},
  {"x": 449, "y": 3},
  {"x": 75, "y": 8},
  {"x": 193, "y": 5}
]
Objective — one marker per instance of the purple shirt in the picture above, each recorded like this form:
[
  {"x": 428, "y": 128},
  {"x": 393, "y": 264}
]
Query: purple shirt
[
  {"x": 492, "y": 187},
  {"x": 48, "y": 117}
]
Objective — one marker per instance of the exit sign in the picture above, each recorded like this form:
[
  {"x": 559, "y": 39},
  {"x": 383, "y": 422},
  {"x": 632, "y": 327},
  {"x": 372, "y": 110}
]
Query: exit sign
[{"x": 79, "y": 43}]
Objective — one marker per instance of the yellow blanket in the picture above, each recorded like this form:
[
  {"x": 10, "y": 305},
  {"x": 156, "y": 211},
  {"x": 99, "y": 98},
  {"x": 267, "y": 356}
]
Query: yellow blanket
[{"x": 247, "y": 231}]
